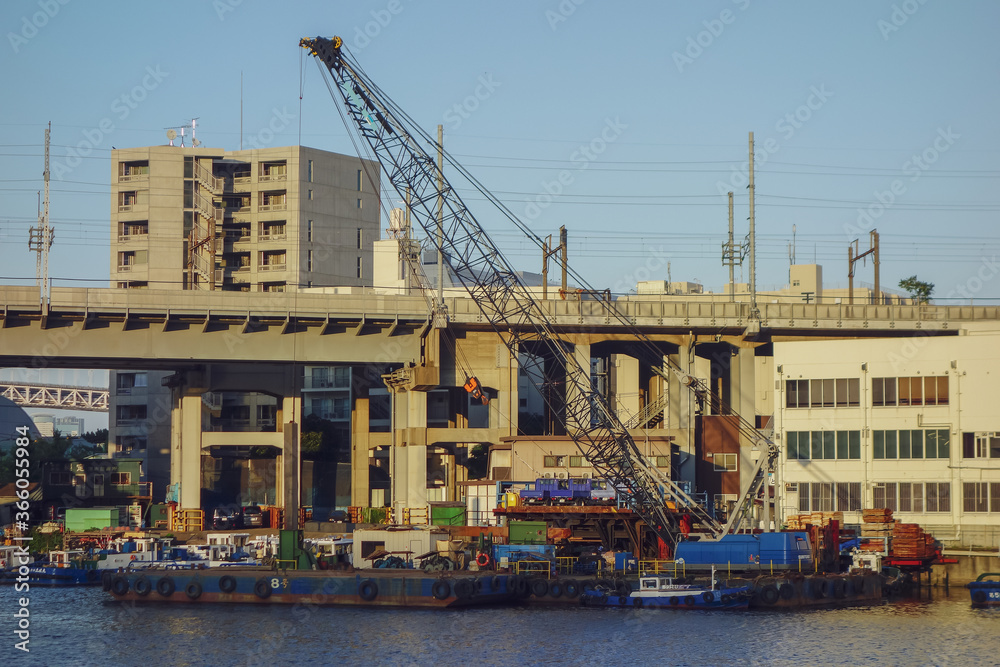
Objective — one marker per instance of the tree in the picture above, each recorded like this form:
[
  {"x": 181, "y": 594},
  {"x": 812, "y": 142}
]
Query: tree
[
  {"x": 919, "y": 290},
  {"x": 478, "y": 461},
  {"x": 98, "y": 437}
]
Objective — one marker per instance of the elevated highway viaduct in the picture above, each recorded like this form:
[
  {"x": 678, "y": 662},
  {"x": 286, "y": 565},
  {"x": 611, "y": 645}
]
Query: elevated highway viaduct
[{"x": 235, "y": 341}]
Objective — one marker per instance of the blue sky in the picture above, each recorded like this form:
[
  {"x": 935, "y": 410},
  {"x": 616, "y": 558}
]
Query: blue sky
[{"x": 875, "y": 114}]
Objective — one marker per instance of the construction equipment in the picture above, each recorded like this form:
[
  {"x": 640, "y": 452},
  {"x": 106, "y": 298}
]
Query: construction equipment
[{"x": 477, "y": 265}]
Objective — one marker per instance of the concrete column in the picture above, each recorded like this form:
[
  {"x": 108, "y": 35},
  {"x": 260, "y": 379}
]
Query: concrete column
[
  {"x": 189, "y": 470},
  {"x": 626, "y": 387},
  {"x": 409, "y": 468},
  {"x": 360, "y": 452},
  {"x": 581, "y": 353},
  {"x": 289, "y": 473}
]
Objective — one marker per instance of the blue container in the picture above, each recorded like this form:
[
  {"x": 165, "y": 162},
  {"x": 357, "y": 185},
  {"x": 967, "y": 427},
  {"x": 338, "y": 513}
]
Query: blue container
[
  {"x": 784, "y": 550},
  {"x": 626, "y": 562}
]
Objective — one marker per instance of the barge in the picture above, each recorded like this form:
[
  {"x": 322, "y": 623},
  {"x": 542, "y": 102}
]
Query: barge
[
  {"x": 365, "y": 588},
  {"x": 985, "y": 590}
]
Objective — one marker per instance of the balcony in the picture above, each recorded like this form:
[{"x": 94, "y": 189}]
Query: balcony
[
  {"x": 131, "y": 178},
  {"x": 272, "y": 267},
  {"x": 276, "y": 236},
  {"x": 124, "y": 268},
  {"x": 272, "y": 207},
  {"x": 271, "y": 177}
]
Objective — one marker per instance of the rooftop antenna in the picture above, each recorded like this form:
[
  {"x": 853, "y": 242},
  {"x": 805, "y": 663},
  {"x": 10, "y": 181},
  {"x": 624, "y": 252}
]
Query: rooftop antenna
[
  {"x": 171, "y": 135},
  {"x": 40, "y": 238},
  {"x": 791, "y": 248}
]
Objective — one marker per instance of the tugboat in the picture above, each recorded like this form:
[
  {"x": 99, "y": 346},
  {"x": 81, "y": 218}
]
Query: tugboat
[
  {"x": 658, "y": 591},
  {"x": 985, "y": 591}
]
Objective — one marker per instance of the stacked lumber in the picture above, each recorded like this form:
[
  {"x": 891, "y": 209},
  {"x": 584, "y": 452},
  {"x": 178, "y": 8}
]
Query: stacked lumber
[
  {"x": 822, "y": 519},
  {"x": 910, "y": 541},
  {"x": 877, "y": 525}
]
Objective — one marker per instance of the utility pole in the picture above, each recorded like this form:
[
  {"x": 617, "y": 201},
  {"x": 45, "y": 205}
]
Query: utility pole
[
  {"x": 729, "y": 253},
  {"x": 547, "y": 251},
  {"x": 754, "y": 313},
  {"x": 853, "y": 256},
  {"x": 40, "y": 238},
  {"x": 562, "y": 246}
]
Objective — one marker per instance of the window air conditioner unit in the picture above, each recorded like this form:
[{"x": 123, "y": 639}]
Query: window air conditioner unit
[
  {"x": 586, "y": 475},
  {"x": 792, "y": 487},
  {"x": 547, "y": 475},
  {"x": 562, "y": 475}
]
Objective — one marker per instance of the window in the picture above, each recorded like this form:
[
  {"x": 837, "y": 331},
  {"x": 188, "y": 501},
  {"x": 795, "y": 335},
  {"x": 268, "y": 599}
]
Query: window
[
  {"x": 360, "y": 238},
  {"x": 310, "y": 174},
  {"x": 829, "y": 496},
  {"x": 360, "y": 181},
  {"x": 554, "y": 462},
  {"x": 359, "y": 267},
  {"x": 59, "y": 478},
  {"x": 522, "y": 402},
  {"x": 884, "y": 495},
  {"x": 848, "y": 496},
  {"x": 937, "y": 497},
  {"x": 797, "y": 393},
  {"x": 911, "y": 444},
  {"x": 981, "y": 445},
  {"x": 909, "y": 391},
  {"x": 975, "y": 498},
  {"x": 661, "y": 461},
  {"x": 359, "y": 202},
  {"x": 309, "y": 231},
  {"x": 805, "y": 445},
  {"x": 823, "y": 393},
  {"x": 577, "y": 462},
  {"x": 310, "y": 194},
  {"x": 121, "y": 478},
  {"x": 917, "y": 497},
  {"x": 725, "y": 462},
  {"x": 309, "y": 260}
]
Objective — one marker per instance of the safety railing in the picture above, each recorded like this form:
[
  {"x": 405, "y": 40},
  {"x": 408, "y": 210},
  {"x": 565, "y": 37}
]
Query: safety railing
[
  {"x": 668, "y": 567},
  {"x": 534, "y": 568}
]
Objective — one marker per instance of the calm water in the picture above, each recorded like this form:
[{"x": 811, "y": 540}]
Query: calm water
[{"x": 85, "y": 627}]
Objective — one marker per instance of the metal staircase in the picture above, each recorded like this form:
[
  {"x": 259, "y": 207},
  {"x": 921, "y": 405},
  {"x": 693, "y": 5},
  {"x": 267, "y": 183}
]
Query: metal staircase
[{"x": 651, "y": 415}]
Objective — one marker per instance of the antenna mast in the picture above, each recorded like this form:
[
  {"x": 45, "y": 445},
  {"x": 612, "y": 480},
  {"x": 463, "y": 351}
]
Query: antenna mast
[{"x": 40, "y": 238}]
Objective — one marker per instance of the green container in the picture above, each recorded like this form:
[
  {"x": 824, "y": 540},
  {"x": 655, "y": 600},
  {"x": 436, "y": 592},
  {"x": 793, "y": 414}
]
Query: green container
[
  {"x": 81, "y": 519},
  {"x": 527, "y": 532},
  {"x": 157, "y": 513},
  {"x": 447, "y": 514}
]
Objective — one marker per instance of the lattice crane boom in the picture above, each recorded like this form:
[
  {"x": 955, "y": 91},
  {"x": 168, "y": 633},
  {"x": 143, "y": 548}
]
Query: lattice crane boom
[{"x": 505, "y": 302}]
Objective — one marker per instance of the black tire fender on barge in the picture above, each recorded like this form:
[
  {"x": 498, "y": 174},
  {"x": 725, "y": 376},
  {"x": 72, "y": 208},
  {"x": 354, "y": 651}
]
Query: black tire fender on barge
[
  {"x": 106, "y": 580},
  {"x": 142, "y": 586},
  {"x": 708, "y": 597},
  {"x": 979, "y": 597},
  {"x": 572, "y": 588},
  {"x": 165, "y": 586},
  {"x": 193, "y": 590},
  {"x": 227, "y": 583},
  {"x": 769, "y": 594},
  {"x": 368, "y": 590},
  {"x": 539, "y": 588},
  {"x": 262, "y": 588},
  {"x": 556, "y": 589},
  {"x": 464, "y": 589},
  {"x": 441, "y": 589},
  {"x": 495, "y": 583},
  {"x": 786, "y": 590},
  {"x": 119, "y": 586}
]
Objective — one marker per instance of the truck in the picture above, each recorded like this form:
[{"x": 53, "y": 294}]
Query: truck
[{"x": 572, "y": 491}]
